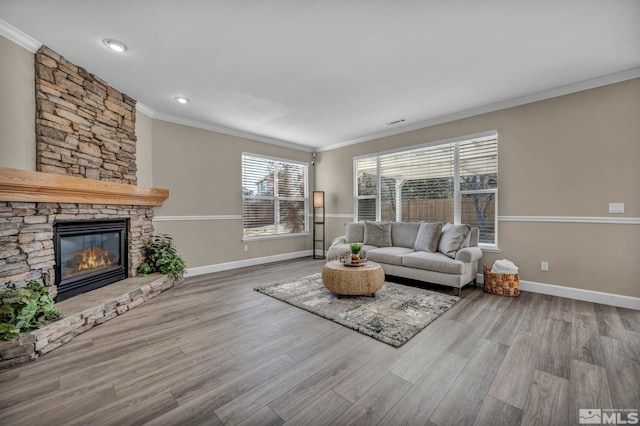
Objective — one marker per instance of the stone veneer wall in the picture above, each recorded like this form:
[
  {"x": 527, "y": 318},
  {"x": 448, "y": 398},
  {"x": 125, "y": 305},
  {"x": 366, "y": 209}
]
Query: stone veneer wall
[
  {"x": 84, "y": 127},
  {"x": 26, "y": 237}
]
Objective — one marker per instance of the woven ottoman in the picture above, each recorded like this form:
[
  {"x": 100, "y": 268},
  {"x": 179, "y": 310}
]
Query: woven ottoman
[{"x": 353, "y": 280}]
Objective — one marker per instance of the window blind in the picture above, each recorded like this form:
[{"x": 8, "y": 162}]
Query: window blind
[
  {"x": 419, "y": 184},
  {"x": 274, "y": 196},
  {"x": 366, "y": 171}
]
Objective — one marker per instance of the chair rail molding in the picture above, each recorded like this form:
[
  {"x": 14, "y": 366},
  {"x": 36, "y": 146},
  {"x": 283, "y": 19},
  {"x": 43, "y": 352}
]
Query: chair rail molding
[
  {"x": 197, "y": 218},
  {"x": 572, "y": 219}
]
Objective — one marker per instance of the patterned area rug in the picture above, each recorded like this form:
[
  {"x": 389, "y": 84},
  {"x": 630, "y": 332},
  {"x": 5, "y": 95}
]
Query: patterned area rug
[{"x": 394, "y": 316}]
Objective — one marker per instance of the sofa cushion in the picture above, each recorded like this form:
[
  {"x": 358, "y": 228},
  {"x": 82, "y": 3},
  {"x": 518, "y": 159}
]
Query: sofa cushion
[
  {"x": 390, "y": 255},
  {"x": 436, "y": 262},
  {"x": 355, "y": 232},
  {"x": 377, "y": 233},
  {"x": 403, "y": 234},
  {"x": 474, "y": 237},
  {"x": 453, "y": 238},
  {"x": 428, "y": 237}
]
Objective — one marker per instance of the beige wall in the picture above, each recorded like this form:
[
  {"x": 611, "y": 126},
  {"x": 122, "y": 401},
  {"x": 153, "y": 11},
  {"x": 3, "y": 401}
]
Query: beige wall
[
  {"x": 202, "y": 170},
  {"x": 17, "y": 107},
  {"x": 144, "y": 145},
  {"x": 566, "y": 156}
]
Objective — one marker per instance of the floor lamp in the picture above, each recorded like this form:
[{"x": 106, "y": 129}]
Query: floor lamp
[{"x": 318, "y": 220}]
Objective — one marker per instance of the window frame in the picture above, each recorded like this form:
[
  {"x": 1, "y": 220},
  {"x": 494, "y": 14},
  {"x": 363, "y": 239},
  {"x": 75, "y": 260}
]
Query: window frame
[
  {"x": 377, "y": 197},
  {"x": 275, "y": 197},
  {"x": 458, "y": 192}
]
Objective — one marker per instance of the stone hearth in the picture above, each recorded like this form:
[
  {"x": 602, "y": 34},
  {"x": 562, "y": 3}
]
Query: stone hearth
[{"x": 82, "y": 313}]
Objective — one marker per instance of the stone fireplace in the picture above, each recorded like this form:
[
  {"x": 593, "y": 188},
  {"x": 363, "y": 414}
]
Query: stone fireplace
[
  {"x": 80, "y": 221},
  {"x": 86, "y": 173}
]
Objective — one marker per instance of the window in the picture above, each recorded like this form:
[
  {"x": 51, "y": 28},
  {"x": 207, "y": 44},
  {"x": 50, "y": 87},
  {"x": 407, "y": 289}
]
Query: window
[
  {"x": 453, "y": 182},
  {"x": 274, "y": 197}
]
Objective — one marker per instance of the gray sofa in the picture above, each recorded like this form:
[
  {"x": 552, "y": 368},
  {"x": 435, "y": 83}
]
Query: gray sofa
[{"x": 442, "y": 254}]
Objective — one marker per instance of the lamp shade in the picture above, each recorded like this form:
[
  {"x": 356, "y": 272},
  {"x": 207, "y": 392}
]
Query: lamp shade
[{"x": 318, "y": 199}]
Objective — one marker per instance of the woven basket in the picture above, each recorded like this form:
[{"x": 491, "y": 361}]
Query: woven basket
[{"x": 500, "y": 284}]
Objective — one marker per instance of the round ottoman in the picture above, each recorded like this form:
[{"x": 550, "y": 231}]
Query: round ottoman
[{"x": 353, "y": 280}]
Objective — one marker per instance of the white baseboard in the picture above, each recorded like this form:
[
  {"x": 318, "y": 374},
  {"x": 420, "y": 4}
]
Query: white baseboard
[
  {"x": 320, "y": 253},
  {"x": 201, "y": 270},
  {"x": 534, "y": 287},
  {"x": 577, "y": 294}
]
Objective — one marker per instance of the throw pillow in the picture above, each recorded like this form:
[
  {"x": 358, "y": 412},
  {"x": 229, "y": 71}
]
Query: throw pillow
[
  {"x": 403, "y": 234},
  {"x": 428, "y": 237},
  {"x": 355, "y": 232},
  {"x": 377, "y": 234},
  {"x": 452, "y": 239}
]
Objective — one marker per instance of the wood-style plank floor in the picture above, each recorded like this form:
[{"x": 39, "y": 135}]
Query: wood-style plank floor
[{"x": 213, "y": 351}]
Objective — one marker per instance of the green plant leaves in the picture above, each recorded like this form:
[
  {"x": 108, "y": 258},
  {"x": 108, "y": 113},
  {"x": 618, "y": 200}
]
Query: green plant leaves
[
  {"x": 9, "y": 331},
  {"x": 355, "y": 248},
  {"x": 161, "y": 256},
  {"x": 24, "y": 309}
]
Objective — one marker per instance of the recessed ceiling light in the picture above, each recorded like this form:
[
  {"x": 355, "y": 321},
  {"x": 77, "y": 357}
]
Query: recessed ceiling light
[
  {"x": 116, "y": 45},
  {"x": 180, "y": 99}
]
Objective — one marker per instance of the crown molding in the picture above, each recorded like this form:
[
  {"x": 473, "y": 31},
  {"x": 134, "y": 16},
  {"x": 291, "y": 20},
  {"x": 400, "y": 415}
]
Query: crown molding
[
  {"x": 219, "y": 129},
  {"x": 509, "y": 103},
  {"x": 15, "y": 35},
  {"x": 145, "y": 109}
]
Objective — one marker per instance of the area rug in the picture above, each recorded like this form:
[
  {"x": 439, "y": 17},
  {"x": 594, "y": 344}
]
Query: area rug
[{"x": 394, "y": 316}]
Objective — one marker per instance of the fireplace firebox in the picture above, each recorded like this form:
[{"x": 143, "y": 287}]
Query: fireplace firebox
[{"x": 89, "y": 254}]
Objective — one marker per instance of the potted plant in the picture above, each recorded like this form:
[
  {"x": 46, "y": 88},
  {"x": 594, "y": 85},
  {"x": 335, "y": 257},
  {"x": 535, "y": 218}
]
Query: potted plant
[
  {"x": 161, "y": 256},
  {"x": 355, "y": 252},
  {"x": 24, "y": 309}
]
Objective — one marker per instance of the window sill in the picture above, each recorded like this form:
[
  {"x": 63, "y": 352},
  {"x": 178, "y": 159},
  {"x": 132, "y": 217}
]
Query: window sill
[
  {"x": 272, "y": 237},
  {"x": 489, "y": 249}
]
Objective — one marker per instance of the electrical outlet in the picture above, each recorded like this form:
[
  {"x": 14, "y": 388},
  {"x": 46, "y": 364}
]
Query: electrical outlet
[
  {"x": 246, "y": 247},
  {"x": 544, "y": 266},
  {"x": 616, "y": 207}
]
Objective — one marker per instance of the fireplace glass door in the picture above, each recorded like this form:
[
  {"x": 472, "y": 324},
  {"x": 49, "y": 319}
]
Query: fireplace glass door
[
  {"x": 84, "y": 254},
  {"x": 89, "y": 254}
]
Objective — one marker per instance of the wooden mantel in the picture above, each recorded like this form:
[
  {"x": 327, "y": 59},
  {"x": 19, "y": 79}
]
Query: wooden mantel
[{"x": 28, "y": 186}]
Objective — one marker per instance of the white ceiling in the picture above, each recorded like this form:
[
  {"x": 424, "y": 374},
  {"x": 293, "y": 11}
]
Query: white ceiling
[{"x": 321, "y": 74}]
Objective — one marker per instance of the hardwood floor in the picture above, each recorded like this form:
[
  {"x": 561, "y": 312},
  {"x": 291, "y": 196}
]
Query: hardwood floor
[{"x": 213, "y": 351}]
